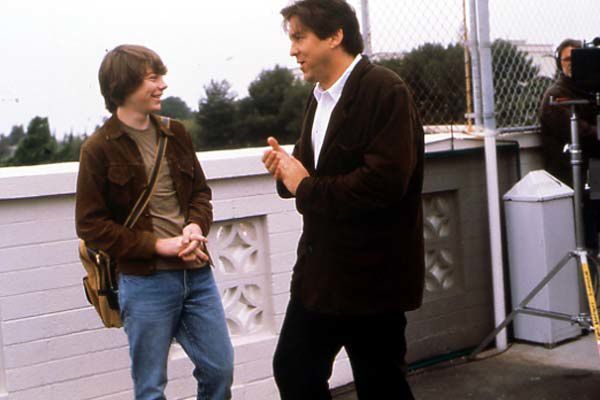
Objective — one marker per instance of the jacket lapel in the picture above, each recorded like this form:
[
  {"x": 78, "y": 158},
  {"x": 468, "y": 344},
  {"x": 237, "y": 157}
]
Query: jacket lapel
[
  {"x": 307, "y": 154},
  {"x": 340, "y": 112}
]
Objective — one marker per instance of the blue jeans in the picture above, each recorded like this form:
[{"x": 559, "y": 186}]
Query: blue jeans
[{"x": 185, "y": 305}]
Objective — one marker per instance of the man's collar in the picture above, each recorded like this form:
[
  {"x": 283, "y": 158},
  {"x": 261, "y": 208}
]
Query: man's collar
[
  {"x": 113, "y": 128},
  {"x": 335, "y": 91}
]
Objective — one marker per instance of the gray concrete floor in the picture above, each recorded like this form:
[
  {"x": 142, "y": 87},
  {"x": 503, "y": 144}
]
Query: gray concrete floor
[{"x": 570, "y": 371}]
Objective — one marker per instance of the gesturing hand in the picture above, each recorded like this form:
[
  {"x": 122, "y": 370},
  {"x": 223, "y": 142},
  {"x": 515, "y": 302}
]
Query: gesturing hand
[
  {"x": 284, "y": 167},
  {"x": 273, "y": 156},
  {"x": 292, "y": 172}
]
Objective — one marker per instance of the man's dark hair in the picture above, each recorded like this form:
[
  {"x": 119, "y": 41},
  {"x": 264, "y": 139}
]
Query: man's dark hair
[
  {"x": 563, "y": 45},
  {"x": 123, "y": 70},
  {"x": 325, "y": 18}
]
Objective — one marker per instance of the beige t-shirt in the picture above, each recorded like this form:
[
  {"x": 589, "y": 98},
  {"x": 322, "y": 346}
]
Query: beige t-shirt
[{"x": 165, "y": 211}]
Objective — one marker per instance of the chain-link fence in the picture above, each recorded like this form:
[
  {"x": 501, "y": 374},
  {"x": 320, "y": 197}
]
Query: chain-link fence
[
  {"x": 524, "y": 35},
  {"x": 427, "y": 43},
  {"x": 422, "y": 42}
]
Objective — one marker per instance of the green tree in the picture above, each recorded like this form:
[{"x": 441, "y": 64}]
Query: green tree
[
  {"x": 174, "y": 107},
  {"x": 38, "y": 146},
  {"x": 8, "y": 144},
  {"x": 5, "y": 148},
  {"x": 291, "y": 113},
  {"x": 216, "y": 116},
  {"x": 274, "y": 106},
  {"x": 518, "y": 86},
  {"x": 252, "y": 127},
  {"x": 269, "y": 89},
  {"x": 16, "y": 134},
  {"x": 68, "y": 148},
  {"x": 436, "y": 77}
]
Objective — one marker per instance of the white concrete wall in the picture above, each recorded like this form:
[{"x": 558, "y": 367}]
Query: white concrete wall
[{"x": 52, "y": 345}]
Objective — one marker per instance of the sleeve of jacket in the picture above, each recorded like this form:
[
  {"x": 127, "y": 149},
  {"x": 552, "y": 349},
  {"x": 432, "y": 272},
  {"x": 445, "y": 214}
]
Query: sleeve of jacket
[
  {"x": 389, "y": 160},
  {"x": 200, "y": 206},
  {"x": 93, "y": 219}
]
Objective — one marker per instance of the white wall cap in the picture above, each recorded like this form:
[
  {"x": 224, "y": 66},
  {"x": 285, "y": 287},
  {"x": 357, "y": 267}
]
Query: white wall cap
[
  {"x": 61, "y": 178},
  {"x": 223, "y": 164},
  {"x": 38, "y": 180}
]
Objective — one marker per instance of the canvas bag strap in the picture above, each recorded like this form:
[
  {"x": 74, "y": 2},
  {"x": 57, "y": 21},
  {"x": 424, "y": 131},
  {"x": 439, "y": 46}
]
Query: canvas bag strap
[{"x": 144, "y": 198}]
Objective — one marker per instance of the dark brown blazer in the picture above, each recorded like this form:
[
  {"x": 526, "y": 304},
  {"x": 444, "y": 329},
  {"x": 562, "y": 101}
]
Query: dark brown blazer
[
  {"x": 361, "y": 249},
  {"x": 112, "y": 176}
]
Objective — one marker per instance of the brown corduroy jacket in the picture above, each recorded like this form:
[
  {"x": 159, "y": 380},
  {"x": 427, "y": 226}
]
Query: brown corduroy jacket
[
  {"x": 362, "y": 249},
  {"x": 111, "y": 178}
]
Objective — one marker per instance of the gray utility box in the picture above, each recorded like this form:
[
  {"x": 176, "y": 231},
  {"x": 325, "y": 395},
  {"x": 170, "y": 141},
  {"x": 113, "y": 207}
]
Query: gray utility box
[{"x": 541, "y": 231}]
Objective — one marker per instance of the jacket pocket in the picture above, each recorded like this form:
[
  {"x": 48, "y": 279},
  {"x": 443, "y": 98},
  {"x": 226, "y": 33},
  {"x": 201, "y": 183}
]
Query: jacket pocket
[
  {"x": 186, "y": 169},
  {"x": 119, "y": 175},
  {"x": 183, "y": 177},
  {"x": 120, "y": 187}
]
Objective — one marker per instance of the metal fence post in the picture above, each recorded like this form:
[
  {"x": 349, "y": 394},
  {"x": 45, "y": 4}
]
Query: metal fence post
[
  {"x": 475, "y": 71},
  {"x": 489, "y": 124},
  {"x": 366, "y": 27}
]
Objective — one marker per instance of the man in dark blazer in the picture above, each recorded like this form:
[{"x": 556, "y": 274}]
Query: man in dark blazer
[{"x": 356, "y": 174}]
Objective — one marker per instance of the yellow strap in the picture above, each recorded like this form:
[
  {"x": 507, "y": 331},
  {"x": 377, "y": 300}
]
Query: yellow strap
[{"x": 591, "y": 297}]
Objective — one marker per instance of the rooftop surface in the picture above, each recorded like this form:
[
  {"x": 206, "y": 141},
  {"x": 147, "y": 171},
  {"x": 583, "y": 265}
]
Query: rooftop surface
[{"x": 570, "y": 371}]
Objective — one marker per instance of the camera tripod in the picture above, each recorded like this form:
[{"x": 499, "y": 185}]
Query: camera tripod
[{"x": 580, "y": 254}]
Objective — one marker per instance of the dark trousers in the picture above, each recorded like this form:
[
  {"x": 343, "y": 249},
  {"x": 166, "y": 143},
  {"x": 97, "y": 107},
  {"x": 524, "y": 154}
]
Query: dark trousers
[{"x": 309, "y": 342}]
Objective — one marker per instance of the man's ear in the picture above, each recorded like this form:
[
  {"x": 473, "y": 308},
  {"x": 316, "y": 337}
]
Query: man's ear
[{"x": 336, "y": 39}]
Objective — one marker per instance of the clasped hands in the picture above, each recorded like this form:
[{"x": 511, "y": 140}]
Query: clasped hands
[
  {"x": 284, "y": 167},
  {"x": 189, "y": 246}
]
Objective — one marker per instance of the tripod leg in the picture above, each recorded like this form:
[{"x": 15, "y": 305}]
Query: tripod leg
[
  {"x": 521, "y": 305},
  {"x": 589, "y": 289},
  {"x": 488, "y": 339}
]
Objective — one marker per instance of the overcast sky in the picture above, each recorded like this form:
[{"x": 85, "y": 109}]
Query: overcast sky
[{"x": 51, "y": 49}]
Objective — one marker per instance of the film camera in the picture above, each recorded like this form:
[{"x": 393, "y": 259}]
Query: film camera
[{"x": 585, "y": 65}]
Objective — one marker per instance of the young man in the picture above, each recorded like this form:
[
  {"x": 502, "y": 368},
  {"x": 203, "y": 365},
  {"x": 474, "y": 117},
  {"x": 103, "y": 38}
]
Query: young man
[
  {"x": 166, "y": 286},
  {"x": 356, "y": 174}
]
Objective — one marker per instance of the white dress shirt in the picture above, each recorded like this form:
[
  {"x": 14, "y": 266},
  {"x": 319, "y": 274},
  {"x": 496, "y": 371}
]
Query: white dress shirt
[{"x": 326, "y": 101}]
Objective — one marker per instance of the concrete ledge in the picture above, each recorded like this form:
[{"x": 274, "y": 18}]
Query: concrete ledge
[
  {"x": 526, "y": 139},
  {"x": 38, "y": 180},
  {"x": 60, "y": 179},
  {"x": 223, "y": 164}
]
